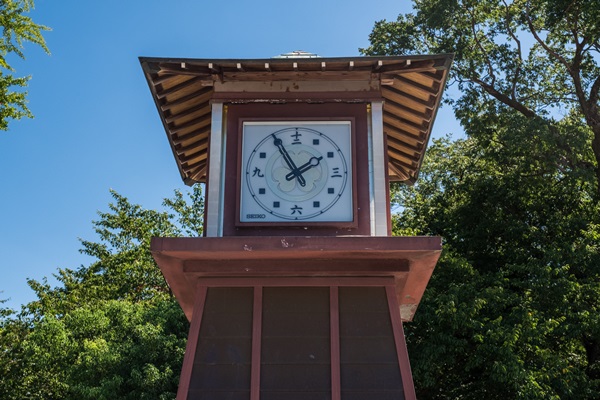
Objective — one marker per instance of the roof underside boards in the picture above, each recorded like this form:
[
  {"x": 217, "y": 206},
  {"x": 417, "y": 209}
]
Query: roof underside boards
[{"x": 410, "y": 87}]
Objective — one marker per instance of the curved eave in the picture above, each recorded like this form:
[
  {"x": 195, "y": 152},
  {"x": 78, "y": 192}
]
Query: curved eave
[{"x": 410, "y": 86}]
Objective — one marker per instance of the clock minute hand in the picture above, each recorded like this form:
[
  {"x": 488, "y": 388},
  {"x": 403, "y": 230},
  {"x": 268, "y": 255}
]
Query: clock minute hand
[
  {"x": 288, "y": 160},
  {"x": 313, "y": 162}
]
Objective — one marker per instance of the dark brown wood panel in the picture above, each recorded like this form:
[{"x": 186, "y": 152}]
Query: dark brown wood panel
[
  {"x": 221, "y": 378},
  {"x": 369, "y": 361},
  {"x": 223, "y": 350},
  {"x": 294, "y": 378},
  {"x": 379, "y": 350},
  {"x": 217, "y": 395},
  {"x": 367, "y": 395},
  {"x": 223, "y": 361},
  {"x": 295, "y": 357},
  {"x": 296, "y": 396},
  {"x": 306, "y": 350},
  {"x": 371, "y": 377}
]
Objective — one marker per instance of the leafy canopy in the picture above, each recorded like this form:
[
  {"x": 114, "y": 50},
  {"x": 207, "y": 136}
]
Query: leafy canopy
[
  {"x": 17, "y": 28},
  {"x": 512, "y": 308},
  {"x": 109, "y": 330},
  {"x": 540, "y": 58}
]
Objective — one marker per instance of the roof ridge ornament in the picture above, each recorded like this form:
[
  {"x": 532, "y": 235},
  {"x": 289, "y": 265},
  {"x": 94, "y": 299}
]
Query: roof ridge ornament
[{"x": 298, "y": 54}]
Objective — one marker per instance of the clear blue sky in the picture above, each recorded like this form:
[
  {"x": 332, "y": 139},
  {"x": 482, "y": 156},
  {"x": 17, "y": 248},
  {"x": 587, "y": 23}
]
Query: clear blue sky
[{"x": 96, "y": 127}]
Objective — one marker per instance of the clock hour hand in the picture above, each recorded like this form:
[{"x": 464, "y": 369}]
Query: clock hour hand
[
  {"x": 288, "y": 160},
  {"x": 313, "y": 162}
]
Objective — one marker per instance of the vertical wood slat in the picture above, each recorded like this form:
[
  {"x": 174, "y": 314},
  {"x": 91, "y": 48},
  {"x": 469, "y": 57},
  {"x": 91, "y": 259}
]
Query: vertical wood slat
[
  {"x": 192, "y": 343},
  {"x": 400, "y": 341},
  {"x": 256, "y": 343},
  {"x": 334, "y": 315}
]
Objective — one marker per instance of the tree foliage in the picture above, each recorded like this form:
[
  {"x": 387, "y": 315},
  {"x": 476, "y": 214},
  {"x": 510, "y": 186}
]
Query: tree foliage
[
  {"x": 512, "y": 307},
  {"x": 540, "y": 58},
  {"x": 17, "y": 28},
  {"x": 109, "y": 330}
]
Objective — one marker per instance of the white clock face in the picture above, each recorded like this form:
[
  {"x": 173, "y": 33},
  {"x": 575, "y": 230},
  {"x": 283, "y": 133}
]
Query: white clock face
[{"x": 296, "y": 172}]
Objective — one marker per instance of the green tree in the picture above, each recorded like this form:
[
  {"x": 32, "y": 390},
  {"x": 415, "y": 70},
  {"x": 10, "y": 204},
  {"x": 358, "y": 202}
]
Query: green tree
[
  {"x": 17, "y": 28},
  {"x": 540, "y": 58},
  {"x": 512, "y": 309},
  {"x": 109, "y": 330}
]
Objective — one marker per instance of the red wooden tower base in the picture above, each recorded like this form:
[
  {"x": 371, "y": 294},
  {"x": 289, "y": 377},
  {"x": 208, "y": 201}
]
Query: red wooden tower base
[{"x": 297, "y": 317}]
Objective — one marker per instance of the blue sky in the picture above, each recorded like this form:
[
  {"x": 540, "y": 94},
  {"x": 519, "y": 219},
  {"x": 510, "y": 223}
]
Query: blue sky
[{"x": 96, "y": 127}]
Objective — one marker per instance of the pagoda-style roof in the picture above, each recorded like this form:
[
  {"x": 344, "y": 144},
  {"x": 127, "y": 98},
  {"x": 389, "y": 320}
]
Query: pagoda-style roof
[{"x": 409, "y": 86}]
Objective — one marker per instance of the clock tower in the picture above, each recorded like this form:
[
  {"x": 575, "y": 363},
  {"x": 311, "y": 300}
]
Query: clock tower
[{"x": 297, "y": 289}]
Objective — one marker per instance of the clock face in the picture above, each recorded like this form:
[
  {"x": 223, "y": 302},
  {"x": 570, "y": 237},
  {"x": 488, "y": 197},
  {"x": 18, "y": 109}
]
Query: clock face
[{"x": 296, "y": 172}]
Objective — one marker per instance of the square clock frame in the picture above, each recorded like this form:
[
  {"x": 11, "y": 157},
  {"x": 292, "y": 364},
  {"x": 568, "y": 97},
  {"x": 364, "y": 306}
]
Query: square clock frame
[
  {"x": 296, "y": 172},
  {"x": 296, "y": 169}
]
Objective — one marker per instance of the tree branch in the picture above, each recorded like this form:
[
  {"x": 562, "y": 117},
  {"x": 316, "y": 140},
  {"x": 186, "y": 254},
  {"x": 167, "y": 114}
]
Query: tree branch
[
  {"x": 513, "y": 103},
  {"x": 480, "y": 46},
  {"x": 593, "y": 98},
  {"x": 519, "y": 51},
  {"x": 573, "y": 24},
  {"x": 572, "y": 68},
  {"x": 538, "y": 39}
]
